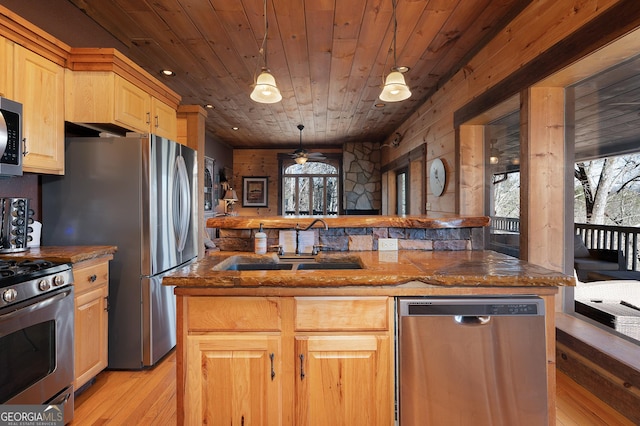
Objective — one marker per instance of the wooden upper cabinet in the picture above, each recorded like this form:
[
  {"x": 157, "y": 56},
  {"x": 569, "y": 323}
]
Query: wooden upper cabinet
[
  {"x": 39, "y": 86},
  {"x": 99, "y": 98},
  {"x": 6, "y": 68},
  {"x": 132, "y": 105},
  {"x": 164, "y": 121},
  {"x": 105, "y": 90}
]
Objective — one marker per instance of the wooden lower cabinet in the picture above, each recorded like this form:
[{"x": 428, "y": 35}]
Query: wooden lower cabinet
[
  {"x": 231, "y": 380},
  {"x": 285, "y": 361},
  {"x": 91, "y": 286},
  {"x": 343, "y": 380}
]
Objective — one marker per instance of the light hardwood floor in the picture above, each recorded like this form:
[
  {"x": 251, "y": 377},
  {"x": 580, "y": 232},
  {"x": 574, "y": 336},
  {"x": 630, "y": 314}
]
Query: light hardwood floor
[{"x": 148, "y": 398}]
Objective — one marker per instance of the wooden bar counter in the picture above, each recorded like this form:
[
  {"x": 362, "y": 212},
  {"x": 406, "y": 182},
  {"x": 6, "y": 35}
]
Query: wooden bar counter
[{"x": 348, "y": 221}]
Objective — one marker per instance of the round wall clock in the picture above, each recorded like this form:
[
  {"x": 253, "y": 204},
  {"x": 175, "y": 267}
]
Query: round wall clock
[{"x": 437, "y": 177}]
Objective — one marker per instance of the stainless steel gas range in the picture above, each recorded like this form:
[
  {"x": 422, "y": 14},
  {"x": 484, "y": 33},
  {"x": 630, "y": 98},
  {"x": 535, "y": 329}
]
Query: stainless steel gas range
[{"x": 36, "y": 334}]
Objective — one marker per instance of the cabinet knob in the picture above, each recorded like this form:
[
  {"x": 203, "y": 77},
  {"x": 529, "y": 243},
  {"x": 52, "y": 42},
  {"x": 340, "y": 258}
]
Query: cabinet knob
[{"x": 93, "y": 278}]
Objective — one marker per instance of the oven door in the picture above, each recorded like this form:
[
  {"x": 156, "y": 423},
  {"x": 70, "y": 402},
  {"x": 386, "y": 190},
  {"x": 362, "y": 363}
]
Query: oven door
[{"x": 36, "y": 348}]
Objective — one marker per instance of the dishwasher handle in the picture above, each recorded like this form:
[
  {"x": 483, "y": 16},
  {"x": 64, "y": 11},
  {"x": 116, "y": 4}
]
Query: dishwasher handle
[{"x": 472, "y": 320}]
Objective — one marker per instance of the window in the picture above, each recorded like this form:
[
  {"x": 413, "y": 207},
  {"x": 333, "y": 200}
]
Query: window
[
  {"x": 502, "y": 153},
  {"x": 312, "y": 188},
  {"x": 402, "y": 189}
]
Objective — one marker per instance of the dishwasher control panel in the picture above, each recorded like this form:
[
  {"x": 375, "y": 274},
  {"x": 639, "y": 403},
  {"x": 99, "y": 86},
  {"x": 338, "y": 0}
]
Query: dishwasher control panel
[{"x": 494, "y": 306}]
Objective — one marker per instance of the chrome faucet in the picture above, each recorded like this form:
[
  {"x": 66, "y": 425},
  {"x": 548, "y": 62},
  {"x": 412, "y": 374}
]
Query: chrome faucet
[
  {"x": 298, "y": 229},
  {"x": 313, "y": 223}
]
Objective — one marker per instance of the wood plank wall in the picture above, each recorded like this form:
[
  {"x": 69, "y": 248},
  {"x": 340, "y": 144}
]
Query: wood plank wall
[{"x": 539, "y": 27}]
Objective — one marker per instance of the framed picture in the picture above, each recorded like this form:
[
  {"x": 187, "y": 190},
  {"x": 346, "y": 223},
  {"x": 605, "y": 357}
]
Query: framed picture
[{"x": 254, "y": 191}]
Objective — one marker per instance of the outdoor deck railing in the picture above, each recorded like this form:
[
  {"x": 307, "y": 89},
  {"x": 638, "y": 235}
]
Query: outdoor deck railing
[{"x": 623, "y": 238}]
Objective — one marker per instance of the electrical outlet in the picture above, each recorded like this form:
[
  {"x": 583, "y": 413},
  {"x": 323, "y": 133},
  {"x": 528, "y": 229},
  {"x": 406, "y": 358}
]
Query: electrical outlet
[{"x": 387, "y": 244}]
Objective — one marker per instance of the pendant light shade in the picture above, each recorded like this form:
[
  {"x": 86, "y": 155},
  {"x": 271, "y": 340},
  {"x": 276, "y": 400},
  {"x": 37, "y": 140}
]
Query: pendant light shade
[
  {"x": 395, "y": 89},
  {"x": 265, "y": 90},
  {"x": 301, "y": 160}
]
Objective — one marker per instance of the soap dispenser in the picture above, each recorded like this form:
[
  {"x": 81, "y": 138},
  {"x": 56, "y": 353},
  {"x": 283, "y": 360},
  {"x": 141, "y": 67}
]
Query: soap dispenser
[{"x": 260, "y": 242}]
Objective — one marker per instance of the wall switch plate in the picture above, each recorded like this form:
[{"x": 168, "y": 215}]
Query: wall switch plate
[{"x": 387, "y": 244}]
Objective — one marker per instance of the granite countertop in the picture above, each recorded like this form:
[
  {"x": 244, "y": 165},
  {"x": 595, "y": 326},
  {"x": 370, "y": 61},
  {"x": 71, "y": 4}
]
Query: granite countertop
[
  {"x": 433, "y": 268},
  {"x": 348, "y": 221},
  {"x": 63, "y": 254}
]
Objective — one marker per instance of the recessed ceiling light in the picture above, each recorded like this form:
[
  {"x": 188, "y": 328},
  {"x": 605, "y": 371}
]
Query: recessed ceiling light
[
  {"x": 379, "y": 105},
  {"x": 235, "y": 128},
  {"x": 167, "y": 73},
  {"x": 209, "y": 106}
]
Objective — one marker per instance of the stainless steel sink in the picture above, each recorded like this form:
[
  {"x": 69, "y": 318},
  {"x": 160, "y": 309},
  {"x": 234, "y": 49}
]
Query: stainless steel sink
[
  {"x": 272, "y": 263},
  {"x": 329, "y": 265},
  {"x": 259, "y": 267}
]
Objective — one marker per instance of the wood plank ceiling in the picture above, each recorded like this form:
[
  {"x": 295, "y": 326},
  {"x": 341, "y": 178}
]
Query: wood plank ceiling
[{"x": 328, "y": 58}]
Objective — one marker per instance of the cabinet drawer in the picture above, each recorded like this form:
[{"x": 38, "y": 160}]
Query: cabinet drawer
[
  {"x": 233, "y": 314},
  {"x": 341, "y": 313},
  {"x": 89, "y": 275}
]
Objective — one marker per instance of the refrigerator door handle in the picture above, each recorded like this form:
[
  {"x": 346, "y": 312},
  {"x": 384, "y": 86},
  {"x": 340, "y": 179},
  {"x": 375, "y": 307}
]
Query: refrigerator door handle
[{"x": 181, "y": 203}]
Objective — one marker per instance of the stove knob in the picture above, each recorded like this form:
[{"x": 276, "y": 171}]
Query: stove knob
[
  {"x": 58, "y": 280},
  {"x": 44, "y": 285},
  {"x": 9, "y": 295}
]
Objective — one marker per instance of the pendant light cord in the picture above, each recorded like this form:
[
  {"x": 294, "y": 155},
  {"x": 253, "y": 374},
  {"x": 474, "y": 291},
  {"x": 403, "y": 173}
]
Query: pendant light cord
[
  {"x": 395, "y": 31},
  {"x": 263, "y": 46}
]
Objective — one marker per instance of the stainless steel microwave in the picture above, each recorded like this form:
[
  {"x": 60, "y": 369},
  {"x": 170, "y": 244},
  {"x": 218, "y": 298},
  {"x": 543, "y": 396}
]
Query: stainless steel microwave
[{"x": 10, "y": 138}]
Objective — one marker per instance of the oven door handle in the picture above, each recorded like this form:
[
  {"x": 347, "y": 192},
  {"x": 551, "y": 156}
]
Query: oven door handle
[{"x": 38, "y": 305}]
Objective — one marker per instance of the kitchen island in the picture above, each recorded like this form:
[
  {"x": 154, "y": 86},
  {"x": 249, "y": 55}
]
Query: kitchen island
[{"x": 317, "y": 346}]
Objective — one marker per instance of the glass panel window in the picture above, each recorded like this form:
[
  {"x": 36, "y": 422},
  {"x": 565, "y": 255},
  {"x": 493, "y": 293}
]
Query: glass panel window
[
  {"x": 311, "y": 188},
  {"x": 401, "y": 190}
]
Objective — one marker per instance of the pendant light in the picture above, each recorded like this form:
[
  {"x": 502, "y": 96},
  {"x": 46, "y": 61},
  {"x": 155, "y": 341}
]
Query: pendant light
[
  {"x": 265, "y": 90},
  {"x": 395, "y": 88}
]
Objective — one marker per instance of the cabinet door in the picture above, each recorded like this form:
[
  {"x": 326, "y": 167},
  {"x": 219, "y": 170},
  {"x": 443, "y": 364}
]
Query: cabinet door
[
  {"x": 343, "y": 380},
  {"x": 132, "y": 105},
  {"x": 39, "y": 86},
  {"x": 6, "y": 68},
  {"x": 233, "y": 380},
  {"x": 164, "y": 120},
  {"x": 90, "y": 321}
]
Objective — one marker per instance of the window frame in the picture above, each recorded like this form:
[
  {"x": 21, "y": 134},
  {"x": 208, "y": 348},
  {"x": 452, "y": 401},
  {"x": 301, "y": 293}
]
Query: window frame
[{"x": 285, "y": 160}]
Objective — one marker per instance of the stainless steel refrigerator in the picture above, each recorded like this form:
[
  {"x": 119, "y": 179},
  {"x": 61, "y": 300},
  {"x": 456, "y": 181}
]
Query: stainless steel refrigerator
[{"x": 137, "y": 193}]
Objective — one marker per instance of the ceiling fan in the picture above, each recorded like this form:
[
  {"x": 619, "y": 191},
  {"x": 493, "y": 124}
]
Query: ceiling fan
[{"x": 301, "y": 155}]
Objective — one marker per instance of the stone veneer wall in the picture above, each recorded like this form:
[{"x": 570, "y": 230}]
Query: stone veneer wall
[
  {"x": 364, "y": 239},
  {"x": 362, "y": 178}
]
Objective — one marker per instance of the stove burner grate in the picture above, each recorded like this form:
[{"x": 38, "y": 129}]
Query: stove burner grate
[{"x": 9, "y": 268}]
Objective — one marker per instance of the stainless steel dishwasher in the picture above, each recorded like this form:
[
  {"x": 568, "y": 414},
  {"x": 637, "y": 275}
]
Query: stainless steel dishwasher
[{"x": 472, "y": 361}]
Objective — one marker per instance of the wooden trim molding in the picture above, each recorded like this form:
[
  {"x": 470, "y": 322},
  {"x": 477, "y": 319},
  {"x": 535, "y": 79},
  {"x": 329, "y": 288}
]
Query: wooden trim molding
[
  {"x": 109, "y": 59},
  {"x": 27, "y": 35},
  {"x": 404, "y": 160}
]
